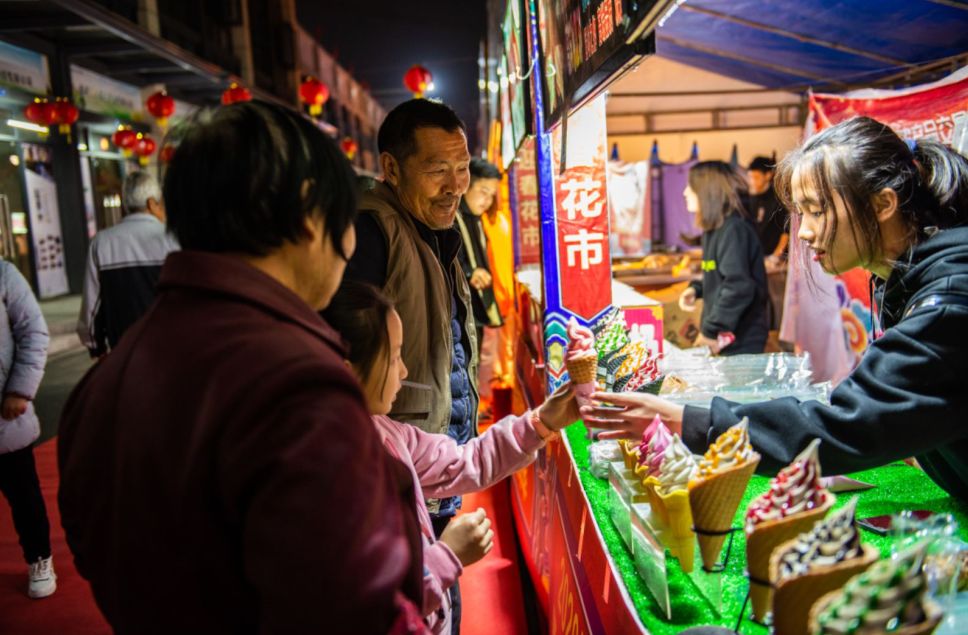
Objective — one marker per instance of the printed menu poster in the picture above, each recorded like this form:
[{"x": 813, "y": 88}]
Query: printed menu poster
[{"x": 45, "y": 229}]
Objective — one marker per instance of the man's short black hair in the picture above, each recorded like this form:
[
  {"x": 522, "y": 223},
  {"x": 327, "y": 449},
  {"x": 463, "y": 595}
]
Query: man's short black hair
[
  {"x": 762, "y": 164},
  {"x": 235, "y": 182},
  {"x": 396, "y": 134},
  {"x": 483, "y": 169}
]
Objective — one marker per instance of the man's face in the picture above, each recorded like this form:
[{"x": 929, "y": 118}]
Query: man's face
[
  {"x": 431, "y": 181},
  {"x": 759, "y": 181},
  {"x": 480, "y": 195}
]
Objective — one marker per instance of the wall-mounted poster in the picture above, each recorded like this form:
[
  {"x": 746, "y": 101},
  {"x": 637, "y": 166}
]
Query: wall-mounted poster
[
  {"x": 517, "y": 74},
  {"x": 23, "y": 69},
  {"x": 44, "y": 221}
]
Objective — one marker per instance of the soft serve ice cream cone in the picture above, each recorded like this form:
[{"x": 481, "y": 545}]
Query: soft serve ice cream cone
[
  {"x": 581, "y": 360},
  {"x": 795, "y": 501},
  {"x": 650, "y": 460},
  {"x": 887, "y": 598},
  {"x": 718, "y": 487},
  {"x": 672, "y": 493},
  {"x": 814, "y": 564}
]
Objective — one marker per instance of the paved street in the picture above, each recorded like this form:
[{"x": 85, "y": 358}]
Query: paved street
[{"x": 64, "y": 370}]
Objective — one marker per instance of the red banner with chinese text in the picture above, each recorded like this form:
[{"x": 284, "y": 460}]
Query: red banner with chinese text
[
  {"x": 529, "y": 222},
  {"x": 581, "y": 213}
]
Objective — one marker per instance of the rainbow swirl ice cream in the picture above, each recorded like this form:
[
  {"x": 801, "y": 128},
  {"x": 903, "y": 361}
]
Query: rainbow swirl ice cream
[
  {"x": 581, "y": 360},
  {"x": 832, "y": 540},
  {"x": 677, "y": 468},
  {"x": 732, "y": 448},
  {"x": 887, "y": 597},
  {"x": 797, "y": 488}
]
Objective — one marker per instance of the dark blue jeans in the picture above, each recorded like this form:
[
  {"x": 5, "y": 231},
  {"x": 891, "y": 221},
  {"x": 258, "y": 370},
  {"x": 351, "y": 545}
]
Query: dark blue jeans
[{"x": 440, "y": 523}]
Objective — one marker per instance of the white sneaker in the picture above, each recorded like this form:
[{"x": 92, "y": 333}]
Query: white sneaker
[{"x": 43, "y": 580}]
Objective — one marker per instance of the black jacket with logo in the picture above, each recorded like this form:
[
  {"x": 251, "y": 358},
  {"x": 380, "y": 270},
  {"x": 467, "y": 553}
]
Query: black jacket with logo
[
  {"x": 907, "y": 397},
  {"x": 733, "y": 286}
]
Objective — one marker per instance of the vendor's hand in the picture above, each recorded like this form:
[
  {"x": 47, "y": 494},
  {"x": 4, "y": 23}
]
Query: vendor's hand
[
  {"x": 469, "y": 536},
  {"x": 772, "y": 263},
  {"x": 713, "y": 345},
  {"x": 635, "y": 413},
  {"x": 687, "y": 300},
  {"x": 14, "y": 406},
  {"x": 560, "y": 410},
  {"x": 480, "y": 279}
]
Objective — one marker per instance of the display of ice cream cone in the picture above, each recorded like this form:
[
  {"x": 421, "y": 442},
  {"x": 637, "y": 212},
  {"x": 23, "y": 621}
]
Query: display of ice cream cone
[
  {"x": 581, "y": 360},
  {"x": 793, "y": 597},
  {"x": 630, "y": 452},
  {"x": 718, "y": 487},
  {"x": 926, "y": 627},
  {"x": 714, "y": 501},
  {"x": 795, "y": 502},
  {"x": 761, "y": 544},
  {"x": 679, "y": 537}
]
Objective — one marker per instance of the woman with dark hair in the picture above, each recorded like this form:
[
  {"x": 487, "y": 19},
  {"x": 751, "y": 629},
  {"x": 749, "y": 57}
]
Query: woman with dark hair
[
  {"x": 866, "y": 198},
  {"x": 440, "y": 467},
  {"x": 733, "y": 285}
]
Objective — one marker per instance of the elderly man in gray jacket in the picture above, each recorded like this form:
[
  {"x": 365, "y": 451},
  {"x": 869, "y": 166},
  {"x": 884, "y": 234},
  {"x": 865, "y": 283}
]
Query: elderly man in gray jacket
[{"x": 23, "y": 355}]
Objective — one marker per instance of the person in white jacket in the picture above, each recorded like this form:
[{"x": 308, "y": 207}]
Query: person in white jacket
[{"x": 23, "y": 355}]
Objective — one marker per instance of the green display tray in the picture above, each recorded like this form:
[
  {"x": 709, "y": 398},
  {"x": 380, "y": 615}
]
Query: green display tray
[{"x": 899, "y": 487}]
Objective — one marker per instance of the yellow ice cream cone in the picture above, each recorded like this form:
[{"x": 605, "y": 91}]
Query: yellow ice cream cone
[{"x": 680, "y": 539}]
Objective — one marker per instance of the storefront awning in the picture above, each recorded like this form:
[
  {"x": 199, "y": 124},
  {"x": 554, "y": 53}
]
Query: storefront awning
[
  {"x": 830, "y": 45},
  {"x": 105, "y": 42}
]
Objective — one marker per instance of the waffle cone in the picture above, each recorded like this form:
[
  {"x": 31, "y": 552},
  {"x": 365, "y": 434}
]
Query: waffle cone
[
  {"x": 583, "y": 369},
  {"x": 932, "y": 611},
  {"x": 679, "y": 536},
  {"x": 630, "y": 453},
  {"x": 793, "y": 597},
  {"x": 649, "y": 484},
  {"x": 713, "y": 502},
  {"x": 764, "y": 540}
]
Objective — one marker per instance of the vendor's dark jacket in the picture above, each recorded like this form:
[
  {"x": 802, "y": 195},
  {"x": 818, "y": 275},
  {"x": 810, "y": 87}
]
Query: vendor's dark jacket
[
  {"x": 733, "y": 286},
  {"x": 473, "y": 256},
  {"x": 907, "y": 397},
  {"x": 220, "y": 474},
  {"x": 769, "y": 217}
]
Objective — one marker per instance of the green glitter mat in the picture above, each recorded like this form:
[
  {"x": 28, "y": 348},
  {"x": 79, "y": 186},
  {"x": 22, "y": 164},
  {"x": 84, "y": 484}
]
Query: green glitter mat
[{"x": 899, "y": 487}]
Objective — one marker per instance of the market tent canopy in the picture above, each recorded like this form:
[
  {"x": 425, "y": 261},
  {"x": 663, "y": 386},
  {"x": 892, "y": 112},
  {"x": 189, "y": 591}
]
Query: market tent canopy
[{"x": 824, "y": 44}]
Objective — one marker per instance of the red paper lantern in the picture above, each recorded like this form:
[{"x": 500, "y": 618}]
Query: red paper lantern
[
  {"x": 41, "y": 112},
  {"x": 235, "y": 94},
  {"x": 144, "y": 148},
  {"x": 314, "y": 94},
  {"x": 417, "y": 79},
  {"x": 161, "y": 105},
  {"x": 65, "y": 115},
  {"x": 166, "y": 153},
  {"x": 349, "y": 147},
  {"x": 126, "y": 139}
]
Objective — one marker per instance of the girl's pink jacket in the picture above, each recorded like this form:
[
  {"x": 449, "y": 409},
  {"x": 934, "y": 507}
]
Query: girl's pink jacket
[{"x": 442, "y": 468}]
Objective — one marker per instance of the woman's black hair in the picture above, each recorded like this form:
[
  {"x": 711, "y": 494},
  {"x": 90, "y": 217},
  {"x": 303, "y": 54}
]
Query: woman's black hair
[
  {"x": 859, "y": 158},
  {"x": 717, "y": 186},
  {"x": 244, "y": 178},
  {"x": 359, "y": 312}
]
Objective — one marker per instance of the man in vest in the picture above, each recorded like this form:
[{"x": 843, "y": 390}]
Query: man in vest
[{"x": 407, "y": 246}]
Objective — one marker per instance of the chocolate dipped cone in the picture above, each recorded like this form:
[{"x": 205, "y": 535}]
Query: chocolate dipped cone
[
  {"x": 793, "y": 597},
  {"x": 763, "y": 541},
  {"x": 714, "y": 501},
  {"x": 925, "y": 627}
]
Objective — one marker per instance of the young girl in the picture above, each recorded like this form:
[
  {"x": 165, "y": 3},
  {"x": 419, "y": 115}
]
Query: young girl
[
  {"x": 440, "y": 467},
  {"x": 866, "y": 198},
  {"x": 733, "y": 286},
  {"x": 23, "y": 354}
]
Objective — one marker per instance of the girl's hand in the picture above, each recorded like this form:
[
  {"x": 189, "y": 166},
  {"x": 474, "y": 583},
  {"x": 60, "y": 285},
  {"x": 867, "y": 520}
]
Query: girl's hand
[
  {"x": 560, "y": 410},
  {"x": 631, "y": 414},
  {"x": 713, "y": 345}
]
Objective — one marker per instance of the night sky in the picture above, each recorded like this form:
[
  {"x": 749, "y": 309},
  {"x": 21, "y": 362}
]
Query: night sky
[{"x": 378, "y": 41}]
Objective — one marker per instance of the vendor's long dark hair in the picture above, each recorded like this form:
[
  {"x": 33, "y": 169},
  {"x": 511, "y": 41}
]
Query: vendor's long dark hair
[
  {"x": 860, "y": 157},
  {"x": 359, "y": 312},
  {"x": 717, "y": 186}
]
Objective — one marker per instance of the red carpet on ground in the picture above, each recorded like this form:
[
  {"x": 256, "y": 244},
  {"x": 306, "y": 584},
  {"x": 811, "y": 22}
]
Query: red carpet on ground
[{"x": 491, "y": 588}]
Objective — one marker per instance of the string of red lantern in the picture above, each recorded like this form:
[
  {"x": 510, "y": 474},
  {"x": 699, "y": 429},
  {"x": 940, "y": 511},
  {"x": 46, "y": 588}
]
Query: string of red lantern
[
  {"x": 349, "y": 147},
  {"x": 161, "y": 105},
  {"x": 313, "y": 93},
  {"x": 417, "y": 79},
  {"x": 144, "y": 147},
  {"x": 125, "y": 138},
  {"x": 235, "y": 93}
]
